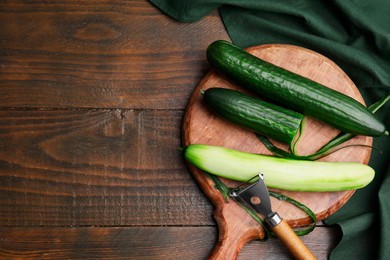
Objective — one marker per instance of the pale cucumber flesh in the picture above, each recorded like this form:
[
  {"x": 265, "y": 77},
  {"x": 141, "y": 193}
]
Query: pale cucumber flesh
[{"x": 281, "y": 173}]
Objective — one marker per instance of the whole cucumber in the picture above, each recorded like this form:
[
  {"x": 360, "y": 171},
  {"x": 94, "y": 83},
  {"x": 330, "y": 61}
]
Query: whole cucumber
[
  {"x": 293, "y": 91},
  {"x": 252, "y": 113}
]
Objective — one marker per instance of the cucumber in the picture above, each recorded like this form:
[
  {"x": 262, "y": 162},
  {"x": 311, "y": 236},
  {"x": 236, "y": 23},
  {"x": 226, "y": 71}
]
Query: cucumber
[
  {"x": 280, "y": 173},
  {"x": 293, "y": 91},
  {"x": 252, "y": 113}
]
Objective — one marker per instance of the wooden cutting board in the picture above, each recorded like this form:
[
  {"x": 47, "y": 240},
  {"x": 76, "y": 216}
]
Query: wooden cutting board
[{"x": 200, "y": 126}]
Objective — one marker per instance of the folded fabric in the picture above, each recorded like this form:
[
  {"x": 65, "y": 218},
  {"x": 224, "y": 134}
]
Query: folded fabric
[{"x": 356, "y": 36}]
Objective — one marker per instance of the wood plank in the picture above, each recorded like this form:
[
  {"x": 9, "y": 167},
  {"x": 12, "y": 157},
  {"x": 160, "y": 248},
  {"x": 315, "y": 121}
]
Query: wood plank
[
  {"x": 100, "y": 54},
  {"x": 142, "y": 243},
  {"x": 96, "y": 167},
  {"x": 320, "y": 242},
  {"x": 91, "y": 101}
]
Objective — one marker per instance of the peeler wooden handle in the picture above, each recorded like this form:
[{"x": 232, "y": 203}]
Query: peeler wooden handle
[{"x": 293, "y": 243}]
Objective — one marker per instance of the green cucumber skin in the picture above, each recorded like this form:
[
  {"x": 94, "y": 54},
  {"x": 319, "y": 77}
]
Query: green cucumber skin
[
  {"x": 280, "y": 173},
  {"x": 293, "y": 91},
  {"x": 252, "y": 113}
]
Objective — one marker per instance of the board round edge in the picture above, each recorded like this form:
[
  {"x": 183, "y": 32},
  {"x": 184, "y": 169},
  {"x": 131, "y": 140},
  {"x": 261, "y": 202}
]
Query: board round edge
[{"x": 201, "y": 126}]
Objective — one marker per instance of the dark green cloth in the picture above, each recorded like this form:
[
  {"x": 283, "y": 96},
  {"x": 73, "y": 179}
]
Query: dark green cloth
[{"x": 355, "y": 35}]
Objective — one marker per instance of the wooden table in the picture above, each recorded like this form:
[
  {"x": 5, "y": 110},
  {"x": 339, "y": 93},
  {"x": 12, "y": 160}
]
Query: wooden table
[{"x": 92, "y": 99}]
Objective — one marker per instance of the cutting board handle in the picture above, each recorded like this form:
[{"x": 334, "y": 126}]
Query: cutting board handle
[
  {"x": 233, "y": 231},
  {"x": 235, "y": 226},
  {"x": 226, "y": 248}
]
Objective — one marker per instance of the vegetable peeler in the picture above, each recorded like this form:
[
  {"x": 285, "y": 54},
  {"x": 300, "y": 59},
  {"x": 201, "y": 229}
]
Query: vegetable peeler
[{"x": 256, "y": 196}]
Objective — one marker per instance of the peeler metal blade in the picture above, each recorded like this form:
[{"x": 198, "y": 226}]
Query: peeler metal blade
[{"x": 254, "y": 195}]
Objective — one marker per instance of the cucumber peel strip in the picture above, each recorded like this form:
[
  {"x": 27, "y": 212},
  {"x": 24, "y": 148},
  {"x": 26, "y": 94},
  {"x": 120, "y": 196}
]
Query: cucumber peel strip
[
  {"x": 329, "y": 148},
  {"x": 298, "y": 136},
  {"x": 323, "y": 152},
  {"x": 301, "y": 206},
  {"x": 219, "y": 185},
  {"x": 377, "y": 105}
]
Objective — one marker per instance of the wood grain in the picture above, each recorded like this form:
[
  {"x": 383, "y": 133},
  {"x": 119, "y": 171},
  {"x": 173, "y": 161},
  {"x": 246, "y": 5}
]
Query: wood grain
[
  {"x": 321, "y": 241},
  {"x": 105, "y": 54},
  {"x": 140, "y": 243},
  {"x": 92, "y": 97},
  {"x": 96, "y": 167}
]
